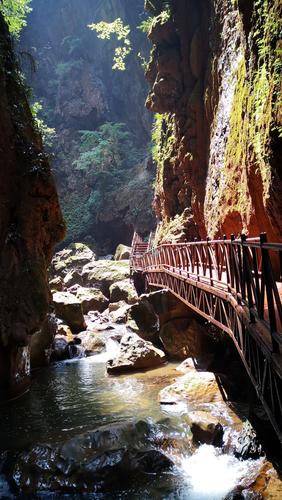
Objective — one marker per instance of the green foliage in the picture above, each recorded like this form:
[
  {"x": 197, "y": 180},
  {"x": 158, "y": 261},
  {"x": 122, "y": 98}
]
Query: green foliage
[
  {"x": 117, "y": 29},
  {"x": 76, "y": 216},
  {"x": 157, "y": 6},
  {"x": 255, "y": 120},
  {"x": 15, "y": 12},
  {"x": 164, "y": 139},
  {"x": 149, "y": 23},
  {"x": 48, "y": 134},
  {"x": 106, "y": 162}
]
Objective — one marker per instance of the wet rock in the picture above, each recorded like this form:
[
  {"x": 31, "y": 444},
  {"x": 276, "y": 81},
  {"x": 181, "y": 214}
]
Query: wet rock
[
  {"x": 72, "y": 258},
  {"x": 103, "y": 273},
  {"x": 69, "y": 309},
  {"x": 122, "y": 252},
  {"x": 241, "y": 493},
  {"x": 97, "y": 461},
  {"x": 135, "y": 354},
  {"x": 92, "y": 342},
  {"x": 268, "y": 484},
  {"x": 123, "y": 291},
  {"x": 149, "y": 462},
  {"x": 248, "y": 445},
  {"x": 41, "y": 343},
  {"x": 194, "y": 387},
  {"x": 142, "y": 318},
  {"x": 204, "y": 361},
  {"x": 205, "y": 428},
  {"x": 56, "y": 284},
  {"x": 91, "y": 299},
  {"x": 72, "y": 278},
  {"x": 183, "y": 338},
  {"x": 114, "y": 306},
  {"x": 60, "y": 349},
  {"x": 120, "y": 315},
  {"x": 65, "y": 331}
]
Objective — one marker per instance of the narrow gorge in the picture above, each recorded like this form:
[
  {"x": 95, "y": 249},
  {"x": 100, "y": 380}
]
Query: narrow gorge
[{"x": 141, "y": 244}]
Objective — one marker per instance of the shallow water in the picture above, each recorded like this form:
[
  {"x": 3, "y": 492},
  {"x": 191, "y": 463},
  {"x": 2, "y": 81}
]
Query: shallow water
[{"x": 70, "y": 398}]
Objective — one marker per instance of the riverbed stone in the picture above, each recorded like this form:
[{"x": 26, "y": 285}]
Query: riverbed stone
[
  {"x": 120, "y": 315},
  {"x": 183, "y": 338},
  {"x": 247, "y": 444},
  {"x": 99, "y": 461},
  {"x": 135, "y": 354},
  {"x": 115, "y": 306},
  {"x": 194, "y": 388},
  {"x": 103, "y": 273},
  {"x": 60, "y": 349},
  {"x": 92, "y": 299},
  {"x": 122, "y": 252},
  {"x": 142, "y": 318},
  {"x": 74, "y": 257},
  {"x": 268, "y": 484},
  {"x": 123, "y": 291},
  {"x": 56, "y": 284},
  {"x": 206, "y": 428},
  {"x": 92, "y": 342},
  {"x": 72, "y": 278},
  {"x": 69, "y": 309},
  {"x": 65, "y": 331}
]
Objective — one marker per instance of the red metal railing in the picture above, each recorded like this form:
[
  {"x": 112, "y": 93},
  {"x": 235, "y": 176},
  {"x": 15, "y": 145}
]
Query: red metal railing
[{"x": 250, "y": 269}]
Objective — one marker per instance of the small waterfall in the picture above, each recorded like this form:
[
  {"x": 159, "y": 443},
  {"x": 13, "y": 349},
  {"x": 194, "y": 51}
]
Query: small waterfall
[
  {"x": 212, "y": 474},
  {"x": 110, "y": 352}
]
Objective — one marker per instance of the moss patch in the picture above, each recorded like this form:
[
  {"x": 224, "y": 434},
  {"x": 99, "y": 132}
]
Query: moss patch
[{"x": 253, "y": 119}]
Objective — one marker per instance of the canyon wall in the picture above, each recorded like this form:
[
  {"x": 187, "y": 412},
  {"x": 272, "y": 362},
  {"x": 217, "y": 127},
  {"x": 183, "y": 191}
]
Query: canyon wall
[
  {"x": 72, "y": 76},
  {"x": 215, "y": 78},
  {"x": 30, "y": 225}
]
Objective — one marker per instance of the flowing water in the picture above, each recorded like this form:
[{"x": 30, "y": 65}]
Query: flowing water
[{"x": 73, "y": 397}]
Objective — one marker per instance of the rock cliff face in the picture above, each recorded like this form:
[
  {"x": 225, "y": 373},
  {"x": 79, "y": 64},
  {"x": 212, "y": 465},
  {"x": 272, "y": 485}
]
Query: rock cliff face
[
  {"x": 30, "y": 225},
  {"x": 215, "y": 81},
  {"x": 79, "y": 90}
]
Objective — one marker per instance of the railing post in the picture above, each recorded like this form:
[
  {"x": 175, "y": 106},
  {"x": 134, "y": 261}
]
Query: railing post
[
  {"x": 232, "y": 264},
  {"x": 267, "y": 275},
  {"x": 247, "y": 278},
  {"x": 197, "y": 258},
  {"x": 209, "y": 260},
  {"x": 241, "y": 273}
]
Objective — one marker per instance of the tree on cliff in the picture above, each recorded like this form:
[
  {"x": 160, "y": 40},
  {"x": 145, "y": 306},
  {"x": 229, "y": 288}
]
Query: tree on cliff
[{"x": 15, "y": 12}]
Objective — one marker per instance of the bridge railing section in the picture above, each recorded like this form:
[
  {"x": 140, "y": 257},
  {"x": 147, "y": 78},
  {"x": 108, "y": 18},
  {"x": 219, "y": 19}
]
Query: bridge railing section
[{"x": 250, "y": 269}]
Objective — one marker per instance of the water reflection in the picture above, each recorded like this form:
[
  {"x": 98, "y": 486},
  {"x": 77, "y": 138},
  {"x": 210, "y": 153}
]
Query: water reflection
[{"x": 76, "y": 396}]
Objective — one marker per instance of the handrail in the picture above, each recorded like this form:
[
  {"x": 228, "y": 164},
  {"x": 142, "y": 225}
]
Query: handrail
[{"x": 247, "y": 268}]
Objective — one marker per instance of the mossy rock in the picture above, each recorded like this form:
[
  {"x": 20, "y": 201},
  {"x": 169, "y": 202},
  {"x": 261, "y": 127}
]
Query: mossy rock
[
  {"x": 104, "y": 273},
  {"x": 69, "y": 309},
  {"x": 123, "y": 290},
  {"x": 92, "y": 299},
  {"x": 122, "y": 252}
]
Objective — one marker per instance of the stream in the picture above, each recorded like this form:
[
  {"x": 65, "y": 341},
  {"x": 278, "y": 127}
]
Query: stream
[{"x": 74, "y": 397}]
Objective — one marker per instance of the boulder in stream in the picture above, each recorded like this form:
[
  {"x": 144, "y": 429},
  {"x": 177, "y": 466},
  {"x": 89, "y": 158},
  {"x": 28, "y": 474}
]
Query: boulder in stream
[
  {"x": 74, "y": 257},
  {"x": 99, "y": 461},
  {"x": 122, "y": 252},
  {"x": 206, "y": 428},
  {"x": 135, "y": 354},
  {"x": 91, "y": 299},
  {"x": 92, "y": 342},
  {"x": 194, "y": 387},
  {"x": 69, "y": 309},
  {"x": 123, "y": 291},
  {"x": 103, "y": 273}
]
